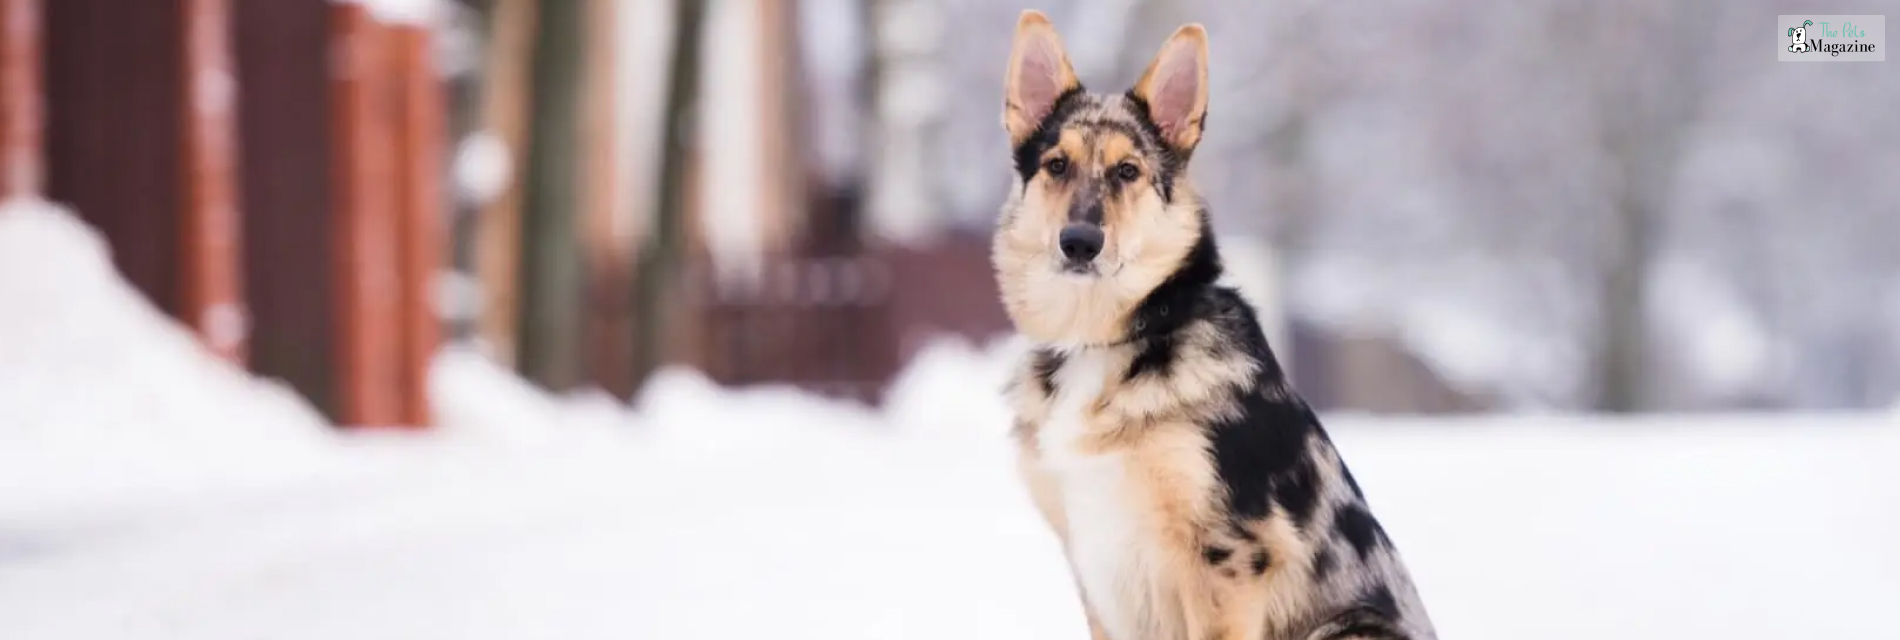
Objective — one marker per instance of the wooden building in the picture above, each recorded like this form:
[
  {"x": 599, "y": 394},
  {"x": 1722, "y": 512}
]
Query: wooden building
[{"x": 266, "y": 171}]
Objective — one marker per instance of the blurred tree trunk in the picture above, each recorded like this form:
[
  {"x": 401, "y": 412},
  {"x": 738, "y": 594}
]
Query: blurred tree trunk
[
  {"x": 658, "y": 262},
  {"x": 1621, "y": 365},
  {"x": 552, "y": 294},
  {"x": 1645, "y": 98}
]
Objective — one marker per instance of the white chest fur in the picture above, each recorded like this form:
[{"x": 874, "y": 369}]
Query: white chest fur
[{"x": 1110, "y": 545}]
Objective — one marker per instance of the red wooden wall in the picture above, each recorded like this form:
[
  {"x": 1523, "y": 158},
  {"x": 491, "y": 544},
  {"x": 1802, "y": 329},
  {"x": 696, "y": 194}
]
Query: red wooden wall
[{"x": 266, "y": 171}]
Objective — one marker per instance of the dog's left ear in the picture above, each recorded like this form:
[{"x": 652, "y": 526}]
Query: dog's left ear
[
  {"x": 1039, "y": 74},
  {"x": 1175, "y": 87}
]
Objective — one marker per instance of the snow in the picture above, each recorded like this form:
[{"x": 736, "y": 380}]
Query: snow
[
  {"x": 103, "y": 398},
  {"x": 482, "y": 168},
  {"x": 702, "y": 512},
  {"x": 417, "y": 12},
  {"x": 473, "y": 396}
]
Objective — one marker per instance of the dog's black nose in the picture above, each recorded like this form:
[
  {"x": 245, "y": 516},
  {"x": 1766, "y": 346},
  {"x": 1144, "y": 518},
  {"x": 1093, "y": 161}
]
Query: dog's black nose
[{"x": 1080, "y": 242}]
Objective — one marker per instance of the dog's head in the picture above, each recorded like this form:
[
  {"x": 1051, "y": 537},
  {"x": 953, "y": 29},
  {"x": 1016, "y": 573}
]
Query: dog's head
[{"x": 1101, "y": 212}]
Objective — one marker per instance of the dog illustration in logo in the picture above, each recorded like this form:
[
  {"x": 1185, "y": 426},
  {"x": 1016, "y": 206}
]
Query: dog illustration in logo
[{"x": 1800, "y": 37}]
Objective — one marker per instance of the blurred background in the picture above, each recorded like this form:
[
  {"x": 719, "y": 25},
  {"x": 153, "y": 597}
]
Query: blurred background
[
  {"x": 1442, "y": 207},
  {"x": 677, "y": 303}
]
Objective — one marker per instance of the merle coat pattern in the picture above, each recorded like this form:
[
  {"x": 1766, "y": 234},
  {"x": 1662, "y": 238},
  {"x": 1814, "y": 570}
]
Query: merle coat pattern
[{"x": 1195, "y": 494}]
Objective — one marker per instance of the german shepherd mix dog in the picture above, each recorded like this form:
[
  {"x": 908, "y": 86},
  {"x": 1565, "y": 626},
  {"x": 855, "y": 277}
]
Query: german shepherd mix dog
[{"x": 1196, "y": 496}]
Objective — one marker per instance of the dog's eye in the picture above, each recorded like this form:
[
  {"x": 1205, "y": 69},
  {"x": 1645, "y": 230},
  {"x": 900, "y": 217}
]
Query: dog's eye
[
  {"x": 1127, "y": 171},
  {"x": 1056, "y": 166}
]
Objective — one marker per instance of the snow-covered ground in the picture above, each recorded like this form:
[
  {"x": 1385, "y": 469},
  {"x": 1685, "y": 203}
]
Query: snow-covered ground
[{"x": 148, "y": 492}]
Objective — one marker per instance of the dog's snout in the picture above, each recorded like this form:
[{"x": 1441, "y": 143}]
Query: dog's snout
[{"x": 1080, "y": 242}]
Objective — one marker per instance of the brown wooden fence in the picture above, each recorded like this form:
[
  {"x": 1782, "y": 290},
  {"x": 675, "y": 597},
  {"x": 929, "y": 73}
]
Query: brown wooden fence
[{"x": 843, "y": 326}]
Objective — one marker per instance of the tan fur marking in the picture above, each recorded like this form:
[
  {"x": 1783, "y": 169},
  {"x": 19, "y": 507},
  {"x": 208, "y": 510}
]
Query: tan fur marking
[
  {"x": 1073, "y": 144},
  {"x": 1116, "y": 147}
]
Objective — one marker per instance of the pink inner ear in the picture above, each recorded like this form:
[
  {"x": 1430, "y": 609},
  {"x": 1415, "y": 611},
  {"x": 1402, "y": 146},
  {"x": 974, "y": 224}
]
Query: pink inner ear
[
  {"x": 1037, "y": 79},
  {"x": 1176, "y": 86}
]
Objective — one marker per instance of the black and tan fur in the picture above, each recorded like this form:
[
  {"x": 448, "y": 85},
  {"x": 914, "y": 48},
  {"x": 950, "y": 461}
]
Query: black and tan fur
[{"x": 1196, "y": 495}]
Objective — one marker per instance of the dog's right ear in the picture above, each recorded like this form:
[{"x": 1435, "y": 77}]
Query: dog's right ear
[{"x": 1039, "y": 73}]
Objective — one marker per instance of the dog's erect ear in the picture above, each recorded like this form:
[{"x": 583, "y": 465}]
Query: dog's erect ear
[
  {"x": 1039, "y": 73},
  {"x": 1175, "y": 87}
]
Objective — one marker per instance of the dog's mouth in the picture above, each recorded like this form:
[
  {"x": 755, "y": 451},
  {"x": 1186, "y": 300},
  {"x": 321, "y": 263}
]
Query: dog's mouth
[
  {"x": 1086, "y": 269},
  {"x": 1079, "y": 268}
]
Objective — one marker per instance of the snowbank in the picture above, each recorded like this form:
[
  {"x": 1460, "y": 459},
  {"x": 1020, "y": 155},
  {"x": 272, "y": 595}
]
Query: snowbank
[
  {"x": 474, "y": 397},
  {"x": 100, "y": 392},
  {"x": 953, "y": 386}
]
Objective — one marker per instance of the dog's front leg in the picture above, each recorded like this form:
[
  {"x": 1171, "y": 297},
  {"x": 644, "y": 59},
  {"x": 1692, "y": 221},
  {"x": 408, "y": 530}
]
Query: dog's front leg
[
  {"x": 1044, "y": 494},
  {"x": 1216, "y": 603},
  {"x": 1218, "y": 611},
  {"x": 1095, "y": 625}
]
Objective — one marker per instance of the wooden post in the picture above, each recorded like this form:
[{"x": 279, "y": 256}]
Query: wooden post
[
  {"x": 604, "y": 207},
  {"x": 418, "y": 177},
  {"x": 210, "y": 271},
  {"x": 781, "y": 194},
  {"x": 366, "y": 253},
  {"x": 504, "y": 112},
  {"x": 284, "y": 51},
  {"x": 22, "y": 162}
]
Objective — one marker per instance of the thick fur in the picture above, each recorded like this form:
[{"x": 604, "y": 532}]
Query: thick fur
[{"x": 1196, "y": 495}]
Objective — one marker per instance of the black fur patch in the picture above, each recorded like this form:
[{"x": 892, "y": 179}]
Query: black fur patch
[
  {"x": 1379, "y": 599},
  {"x": 1216, "y": 555},
  {"x": 1323, "y": 564},
  {"x": 1180, "y": 298},
  {"x": 1297, "y": 490},
  {"x": 1265, "y": 443},
  {"x": 1045, "y": 365},
  {"x": 1360, "y": 530},
  {"x": 1259, "y": 563},
  {"x": 1028, "y": 155},
  {"x": 1156, "y": 356}
]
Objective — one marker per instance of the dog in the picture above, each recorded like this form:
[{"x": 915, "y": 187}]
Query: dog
[
  {"x": 1195, "y": 495},
  {"x": 1799, "y": 36}
]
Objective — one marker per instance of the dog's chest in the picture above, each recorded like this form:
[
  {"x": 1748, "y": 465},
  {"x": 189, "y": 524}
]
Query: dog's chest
[{"x": 1111, "y": 543}]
